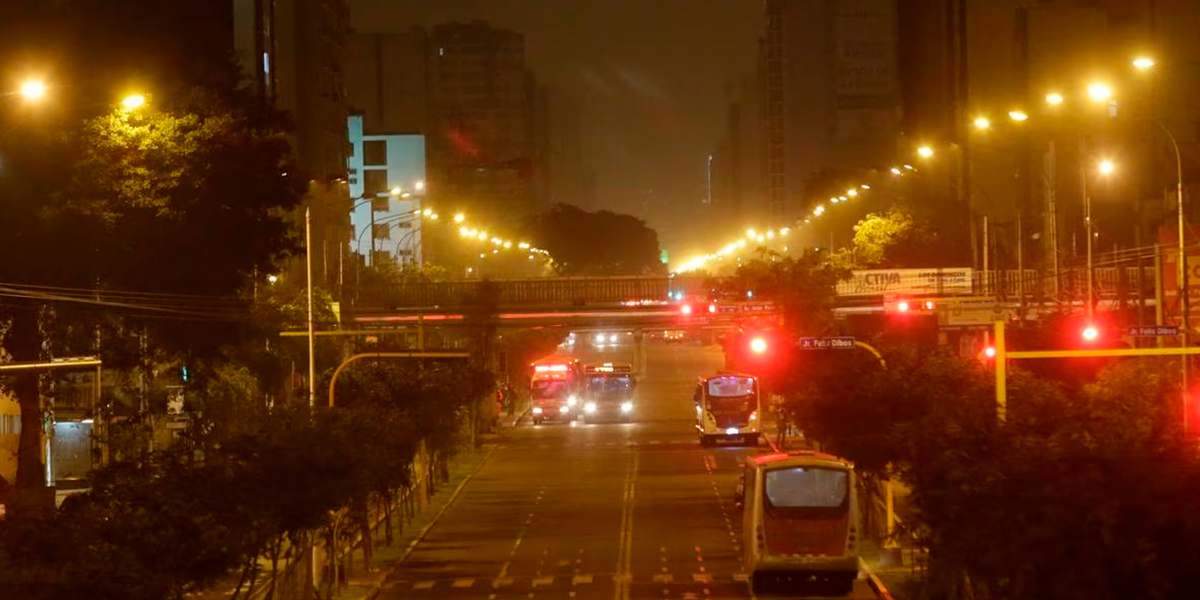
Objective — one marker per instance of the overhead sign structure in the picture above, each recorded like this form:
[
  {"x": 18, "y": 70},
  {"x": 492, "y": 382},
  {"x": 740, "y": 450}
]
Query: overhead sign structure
[
  {"x": 913, "y": 282},
  {"x": 1153, "y": 331},
  {"x": 746, "y": 307},
  {"x": 827, "y": 343},
  {"x": 961, "y": 313}
]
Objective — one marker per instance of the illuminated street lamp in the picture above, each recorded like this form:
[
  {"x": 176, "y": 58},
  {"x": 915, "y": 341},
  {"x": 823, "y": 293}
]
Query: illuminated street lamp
[
  {"x": 33, "y": 89},
  {"x": 133, "y": 101},
  {"x": 1107, "y": 167},
  {"x": 982, "y": 123},
  {"x": 459, "y": 218},
  {"x": 1099, "y": 92},
  {"x": 925, "y": 152},
  {"x": 1054, "y": 98},
  {"x": 1018, "y": 116},
  {"x": 1143, "y": 63}
]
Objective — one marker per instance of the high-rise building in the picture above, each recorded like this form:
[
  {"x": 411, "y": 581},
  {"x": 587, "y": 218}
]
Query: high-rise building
[
  {"x": 293, "y": 54},
  {"x": 832, "y": 93},
  {"x": 480, "y": 147},
  {"x": 387, "y": 80}
]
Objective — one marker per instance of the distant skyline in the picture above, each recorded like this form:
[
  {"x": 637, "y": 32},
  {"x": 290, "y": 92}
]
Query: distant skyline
[{"x": 655, "y": 78}]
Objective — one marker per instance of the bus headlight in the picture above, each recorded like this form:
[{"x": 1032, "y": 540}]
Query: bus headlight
[
  {"x": 537, "y": 410},
  {"x": 731, "y": 431},
  {"x": 626, "y": 407},
  {"x": 563, "y": 409},
  {"x": 754, "y": 415},
  {"x": 572, "y": 400},
  {"x": 590, "y": 407}
]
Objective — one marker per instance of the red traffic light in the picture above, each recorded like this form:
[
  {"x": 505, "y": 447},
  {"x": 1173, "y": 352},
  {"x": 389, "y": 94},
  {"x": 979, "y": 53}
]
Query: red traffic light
[
  {"x": 686, "y": 309},
  {"x": 1090, "y": 333},
  {"x": 758, "y": 345},
  {"x": 712, "y": 308},
  {"x": 990, "y": 352},
  {"x": 902, "y": 306}
]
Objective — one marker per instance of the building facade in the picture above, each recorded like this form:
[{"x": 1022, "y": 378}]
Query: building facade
[
  {"x": 832, "y": 91},
  {"x": 387, "y": 183},
  {"x": 293, "y": 55}
]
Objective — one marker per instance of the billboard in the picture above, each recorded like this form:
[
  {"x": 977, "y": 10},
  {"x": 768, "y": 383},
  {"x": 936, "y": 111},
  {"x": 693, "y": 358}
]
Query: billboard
[{"x": 876, "y": 282}]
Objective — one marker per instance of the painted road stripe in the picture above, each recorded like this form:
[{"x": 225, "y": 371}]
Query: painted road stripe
[
  {"x": 578, "y": 579},
  {"x": 701, "y": 578},
  {"x": 463, "y": 582},
  {"x": 663, "y": 578},
  {"x": 543, "y": 581},
  {"x": 423, "y": 585}
]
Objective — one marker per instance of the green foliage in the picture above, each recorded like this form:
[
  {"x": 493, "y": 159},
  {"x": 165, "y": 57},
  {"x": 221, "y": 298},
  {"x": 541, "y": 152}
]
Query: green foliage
[
  {"x": 896, "y": 239},
  {"x": 802, "y": 288},
  {"x": 1080, "y": 494},
  {"x": 596, "y": 243},
  {"x": 266, "y": 478}
]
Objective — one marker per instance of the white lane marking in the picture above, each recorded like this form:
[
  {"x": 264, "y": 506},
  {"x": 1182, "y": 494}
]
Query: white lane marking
[
  {"x": 502, "y": 581},
  {"x": 543, "y": 581},
  {"x": 578, "y": 579},
  {"x": 423, "y": 585},
  {"x": 464, "y": 582},
  {"x": 663, "y": 578},
  {"x": 625, "y": 548},
  {"x": 701, "y": 578},
  {"x": 741, "y": 577}
]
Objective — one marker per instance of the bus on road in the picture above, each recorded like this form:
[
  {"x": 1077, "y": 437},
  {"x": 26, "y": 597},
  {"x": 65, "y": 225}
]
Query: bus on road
[
  {"x": 800, "y": 524},
  {"x": 608, "y": 392},
  {"x": 728, "y": 407},
  {"x": 554, "y": 388}
]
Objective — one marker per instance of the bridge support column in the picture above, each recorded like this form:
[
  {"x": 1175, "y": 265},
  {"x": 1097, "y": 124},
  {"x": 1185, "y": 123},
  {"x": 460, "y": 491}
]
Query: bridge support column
[{"x": 639, "y": 351}]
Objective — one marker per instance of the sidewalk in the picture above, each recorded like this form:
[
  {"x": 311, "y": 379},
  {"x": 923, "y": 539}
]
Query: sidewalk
[
  {"x": 385, "y": 558},
  {"x": 900, "y": 579}
]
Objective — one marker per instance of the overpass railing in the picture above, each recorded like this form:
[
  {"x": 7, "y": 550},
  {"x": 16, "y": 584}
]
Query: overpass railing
[{"x": 571, "y": 292}]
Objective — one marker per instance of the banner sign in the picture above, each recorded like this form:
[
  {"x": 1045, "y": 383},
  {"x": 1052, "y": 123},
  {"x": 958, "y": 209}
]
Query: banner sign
[{"x": 877, "y": 282}]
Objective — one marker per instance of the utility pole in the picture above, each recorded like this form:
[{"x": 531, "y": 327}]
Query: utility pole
[{"x": 312, "y": 361}]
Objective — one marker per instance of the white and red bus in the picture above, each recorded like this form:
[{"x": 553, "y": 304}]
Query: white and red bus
[
  {"x": 728, "y": 406},
  {"x": 800, "y": 523},
  {"x": 554, "y": 383}
]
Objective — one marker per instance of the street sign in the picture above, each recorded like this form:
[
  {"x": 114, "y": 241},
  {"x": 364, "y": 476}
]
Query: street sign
[
  {"x": 1153, "y": 330},
  {"x": 827, "y": 343},
  {"x": 965, "y": 313}
]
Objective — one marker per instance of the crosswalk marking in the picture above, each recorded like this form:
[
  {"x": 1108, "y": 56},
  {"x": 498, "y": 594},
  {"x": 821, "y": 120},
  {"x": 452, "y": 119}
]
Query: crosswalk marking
[{"x": 701, "y": 578}]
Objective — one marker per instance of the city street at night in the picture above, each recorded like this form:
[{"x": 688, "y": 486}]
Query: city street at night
[{"x": 635, "y": 510}]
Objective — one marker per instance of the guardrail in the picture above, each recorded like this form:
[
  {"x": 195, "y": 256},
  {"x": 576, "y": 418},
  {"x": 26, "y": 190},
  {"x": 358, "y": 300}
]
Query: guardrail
[{"x": 1034, "y": 285}]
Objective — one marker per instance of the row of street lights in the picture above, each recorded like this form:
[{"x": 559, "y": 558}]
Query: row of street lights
[
  {"x": 35, "y": 90},
  {"x": 757, "y": 238}
]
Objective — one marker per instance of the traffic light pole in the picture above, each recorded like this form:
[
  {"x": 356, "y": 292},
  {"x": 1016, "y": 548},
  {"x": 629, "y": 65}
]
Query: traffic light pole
[{"x": 1003, "y": 355}]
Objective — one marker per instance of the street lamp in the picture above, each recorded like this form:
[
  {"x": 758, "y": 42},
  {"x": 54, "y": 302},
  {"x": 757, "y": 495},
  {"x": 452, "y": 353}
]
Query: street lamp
[
  {"x": 1018, "y": 116},
  {"x": 982, "y": 123},
  {"x": 1054, "y": 98},
  {"x": 1105, "y": 167},
  {"x": 33, "y": 89},
  {"x": 1143, "y": 62},
  {"x": 133, "y": 101},
  {"x": 925, "y": 152},
  {"x": 1099, "y": 92}
]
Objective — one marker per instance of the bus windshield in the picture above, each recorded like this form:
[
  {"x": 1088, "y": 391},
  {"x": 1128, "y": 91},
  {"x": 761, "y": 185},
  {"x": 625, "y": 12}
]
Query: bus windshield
[
  {"x": 609, "y": 385},
  {"x": 741, "y": 404},
  {"x": 806, "y": 487},
  {"x": 550, "y": 388},
  {"x": 724, "y": 387}
]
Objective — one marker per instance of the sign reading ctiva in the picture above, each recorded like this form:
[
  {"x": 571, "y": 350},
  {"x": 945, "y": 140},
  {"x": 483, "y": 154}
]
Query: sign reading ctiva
[{"x": 827, "y": 343}]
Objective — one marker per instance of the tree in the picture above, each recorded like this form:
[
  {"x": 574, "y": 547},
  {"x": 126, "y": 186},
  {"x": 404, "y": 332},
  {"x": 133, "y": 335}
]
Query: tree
[
  {"x": 897, "y": 239},
  {"x": 596, "y": 243}
]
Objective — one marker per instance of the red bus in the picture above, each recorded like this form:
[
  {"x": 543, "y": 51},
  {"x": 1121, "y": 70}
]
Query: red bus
[{"x": 554, "y": 388}]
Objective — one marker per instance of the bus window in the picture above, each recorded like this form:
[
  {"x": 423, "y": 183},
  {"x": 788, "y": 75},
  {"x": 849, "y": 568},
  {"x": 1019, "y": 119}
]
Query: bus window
[
  {"x": 806, "y": 488},
  {"x": 550, "y": 388}
]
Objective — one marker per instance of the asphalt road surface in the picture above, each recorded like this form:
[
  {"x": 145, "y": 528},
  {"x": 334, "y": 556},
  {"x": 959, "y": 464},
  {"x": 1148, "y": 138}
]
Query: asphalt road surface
[{"x": 613, "y": 511}]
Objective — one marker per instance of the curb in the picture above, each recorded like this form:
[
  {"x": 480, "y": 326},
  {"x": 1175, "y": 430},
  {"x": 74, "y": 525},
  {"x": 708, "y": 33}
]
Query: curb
[
  {"x": 374, "y": 593},
  {"x": 875, "y": 583}
]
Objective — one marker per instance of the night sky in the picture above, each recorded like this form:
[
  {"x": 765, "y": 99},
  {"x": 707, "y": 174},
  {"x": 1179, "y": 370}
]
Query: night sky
[{"x": 654, "y": 76}]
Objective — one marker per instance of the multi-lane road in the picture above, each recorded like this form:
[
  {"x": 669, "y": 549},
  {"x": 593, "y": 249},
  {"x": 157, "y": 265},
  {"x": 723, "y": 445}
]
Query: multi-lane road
[{"x": 612, "y": 511}]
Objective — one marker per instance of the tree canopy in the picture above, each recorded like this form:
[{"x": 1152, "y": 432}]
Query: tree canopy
[{"x": 596, "y": 243}]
